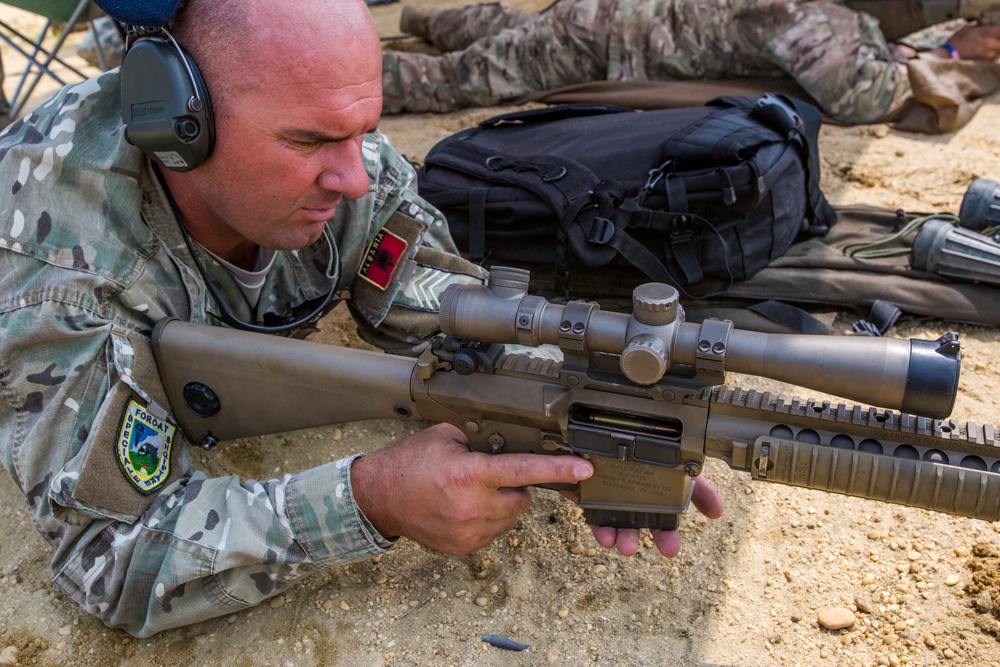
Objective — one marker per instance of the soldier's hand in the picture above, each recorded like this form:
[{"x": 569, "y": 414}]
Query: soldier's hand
[
  {"x": 626, "y": 540},
  {"x": 901, "y": 52},
  {"x": 976, "y": 42},
  {"x": 431, "y": 488}
]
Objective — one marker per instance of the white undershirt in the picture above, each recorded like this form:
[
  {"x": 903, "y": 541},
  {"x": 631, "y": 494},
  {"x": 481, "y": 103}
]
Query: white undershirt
[{"x": 250, "y": 282}]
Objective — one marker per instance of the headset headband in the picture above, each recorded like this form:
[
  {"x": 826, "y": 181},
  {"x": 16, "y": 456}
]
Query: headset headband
[{"x": 145, "y": 13}]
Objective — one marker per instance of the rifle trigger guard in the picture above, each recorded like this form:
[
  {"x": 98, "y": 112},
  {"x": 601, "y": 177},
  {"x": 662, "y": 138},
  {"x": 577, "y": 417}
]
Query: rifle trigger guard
[{"x": 713, "y": 339}]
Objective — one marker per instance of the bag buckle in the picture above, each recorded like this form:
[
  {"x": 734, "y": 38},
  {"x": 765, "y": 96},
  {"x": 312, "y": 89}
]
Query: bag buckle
[
  {"x": 779, "y": 115},
  {"x": 654, "y": 175},
  {"x": 680, "y": 230},
  {"x": 496, "y": 163},
  {"x": 601, "y": 230}
]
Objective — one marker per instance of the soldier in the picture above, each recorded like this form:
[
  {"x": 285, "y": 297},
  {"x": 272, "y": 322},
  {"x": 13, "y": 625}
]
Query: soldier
[
  {"x": 100, "y": 239},
  {"x": 496, "y": 54}
]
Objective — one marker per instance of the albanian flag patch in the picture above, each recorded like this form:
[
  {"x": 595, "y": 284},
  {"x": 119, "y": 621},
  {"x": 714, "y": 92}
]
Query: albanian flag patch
[{"x": 384, "y": 254}]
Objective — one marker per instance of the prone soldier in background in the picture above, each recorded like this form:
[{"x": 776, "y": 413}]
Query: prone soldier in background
[{"x": 495, "y": 54}]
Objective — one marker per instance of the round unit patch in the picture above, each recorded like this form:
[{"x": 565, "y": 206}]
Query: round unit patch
[{"x": 144, "y": 443}]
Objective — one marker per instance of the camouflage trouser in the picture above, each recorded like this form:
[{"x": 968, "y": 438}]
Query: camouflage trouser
[
  {"x": 540, "y": 52},
  {"x": 837, "y": 55},
  {"x": 455, "y": 29}
]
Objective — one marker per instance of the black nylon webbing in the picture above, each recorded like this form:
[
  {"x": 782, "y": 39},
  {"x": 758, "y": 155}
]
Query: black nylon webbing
[{"x": 477, "y": 223}]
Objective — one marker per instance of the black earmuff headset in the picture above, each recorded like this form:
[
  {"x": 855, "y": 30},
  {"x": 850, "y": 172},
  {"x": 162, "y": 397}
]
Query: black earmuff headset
[{"x": 165, "y": 105}]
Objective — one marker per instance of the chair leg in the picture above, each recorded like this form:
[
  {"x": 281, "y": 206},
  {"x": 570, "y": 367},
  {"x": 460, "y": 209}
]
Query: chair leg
[
  {"x": 33, "y": 61},
  {"x": 4, "y": 105},
  {"x": 101, "y": 60},
  {"x": 15, "y": 109},
  {"x": 28, "y": 40}
]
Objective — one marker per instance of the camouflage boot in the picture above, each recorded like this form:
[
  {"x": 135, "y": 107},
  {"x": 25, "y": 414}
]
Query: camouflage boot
[{"x": 416, "y": 22}]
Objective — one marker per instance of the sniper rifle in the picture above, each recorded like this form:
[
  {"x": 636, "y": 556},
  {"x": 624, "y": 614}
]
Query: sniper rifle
[{"x": 640, "y": 395}]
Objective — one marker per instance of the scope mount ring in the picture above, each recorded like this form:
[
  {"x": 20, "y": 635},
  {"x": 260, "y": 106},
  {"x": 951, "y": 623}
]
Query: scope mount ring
[{"x": 713, "y": 340}]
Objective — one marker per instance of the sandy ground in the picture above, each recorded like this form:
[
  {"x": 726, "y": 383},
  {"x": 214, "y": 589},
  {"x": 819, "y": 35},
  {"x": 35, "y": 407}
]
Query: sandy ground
[{"x": 746, "y": 590}]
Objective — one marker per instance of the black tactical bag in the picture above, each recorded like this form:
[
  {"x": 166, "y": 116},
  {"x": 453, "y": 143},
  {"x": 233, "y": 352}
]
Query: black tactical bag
[{"x": 710, "y": 193}]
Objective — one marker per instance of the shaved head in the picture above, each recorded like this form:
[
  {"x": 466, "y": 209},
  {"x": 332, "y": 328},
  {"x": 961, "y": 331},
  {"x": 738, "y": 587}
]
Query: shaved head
[
  {"x": 234, "y": 42},
  {"x": 295, "y": 89}
]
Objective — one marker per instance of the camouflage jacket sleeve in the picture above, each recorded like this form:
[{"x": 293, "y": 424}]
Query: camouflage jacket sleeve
[
  {"x": 205, "y": 546},
  {"x": 400, "y": 317},
  {"x": 933, "y": 36},
  {"x": 83, "y": 278},
  {"x": 841, "y": 59}
]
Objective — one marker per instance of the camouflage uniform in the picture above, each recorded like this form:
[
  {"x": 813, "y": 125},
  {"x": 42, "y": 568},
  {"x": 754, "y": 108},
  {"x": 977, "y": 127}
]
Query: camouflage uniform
[
  {"x": 837, "y": 55},
  {"x": 91, "y": 258},
  {"x": 932, "y": 36}
]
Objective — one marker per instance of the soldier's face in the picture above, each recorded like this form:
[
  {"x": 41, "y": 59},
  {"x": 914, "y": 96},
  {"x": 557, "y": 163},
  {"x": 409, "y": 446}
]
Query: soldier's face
[{"x": 289, "y": 149}]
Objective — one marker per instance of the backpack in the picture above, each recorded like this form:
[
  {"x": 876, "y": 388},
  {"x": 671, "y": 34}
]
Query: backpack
[
  {"x": 816, "y": 280},
  {"x": 708, "y": 194}
]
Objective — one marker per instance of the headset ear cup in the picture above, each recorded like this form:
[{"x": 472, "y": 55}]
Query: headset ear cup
[{"x": 165, "y": 105}]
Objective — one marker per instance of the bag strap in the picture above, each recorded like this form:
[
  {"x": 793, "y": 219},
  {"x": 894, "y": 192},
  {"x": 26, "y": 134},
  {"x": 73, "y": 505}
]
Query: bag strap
[
  {"x": 562, "y": 183},
  {"x": 615, "y": 214},
  {"x": 724, "y": 133},
  {"x": 790, "y": 317},
  {"x": 676, "y": 225},
  {"x": 800, "y": 122},
  {"x": 557, "y": 181},
  {"x": 477, "y": 223},
  {"x": 883, "y": 316},
  {"x": 552, "y": 114}
]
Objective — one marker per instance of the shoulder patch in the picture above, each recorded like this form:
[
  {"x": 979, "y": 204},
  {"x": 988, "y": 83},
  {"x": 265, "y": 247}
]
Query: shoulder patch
[
  {"x": 383, "y": 256},
  {"x": 143, "y": 448}
]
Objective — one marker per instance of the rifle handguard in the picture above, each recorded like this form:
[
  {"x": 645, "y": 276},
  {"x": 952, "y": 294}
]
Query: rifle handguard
[{"x": 911, "y": 482}]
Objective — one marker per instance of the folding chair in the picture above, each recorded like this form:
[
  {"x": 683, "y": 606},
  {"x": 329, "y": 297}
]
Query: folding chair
[{"x": 69, "y": 12}]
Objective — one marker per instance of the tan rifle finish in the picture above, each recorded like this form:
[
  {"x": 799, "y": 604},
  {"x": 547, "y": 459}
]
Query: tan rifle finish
[{"x": 642, "y": 396}]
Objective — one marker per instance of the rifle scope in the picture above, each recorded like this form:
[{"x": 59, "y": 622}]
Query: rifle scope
[{"x": 915, "y": 376}]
